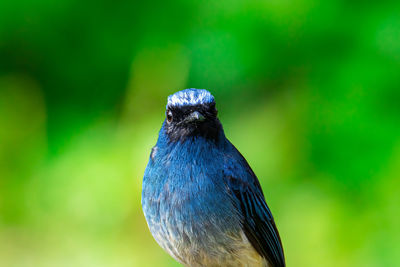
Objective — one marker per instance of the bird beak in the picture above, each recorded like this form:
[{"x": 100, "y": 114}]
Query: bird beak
[{"x": 195, "y": 116}]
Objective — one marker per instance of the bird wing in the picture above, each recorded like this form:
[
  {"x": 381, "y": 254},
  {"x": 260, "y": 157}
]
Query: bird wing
[{"x": 258, "y": 223}]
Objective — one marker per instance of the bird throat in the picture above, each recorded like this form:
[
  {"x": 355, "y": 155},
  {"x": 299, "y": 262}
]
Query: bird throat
[{"x": 210, "y": 130}]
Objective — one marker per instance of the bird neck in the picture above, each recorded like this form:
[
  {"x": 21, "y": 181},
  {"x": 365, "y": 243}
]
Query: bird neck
[{"x": 191, "y": 144}]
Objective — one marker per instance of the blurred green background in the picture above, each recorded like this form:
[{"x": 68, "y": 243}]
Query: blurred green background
[{"x": 309, "y": 92}]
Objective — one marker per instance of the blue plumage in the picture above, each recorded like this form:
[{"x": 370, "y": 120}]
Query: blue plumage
[{"x": 201, "y": 200}]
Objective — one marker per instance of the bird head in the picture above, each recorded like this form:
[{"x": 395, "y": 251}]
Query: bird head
[{"x": 191, "y": 112}]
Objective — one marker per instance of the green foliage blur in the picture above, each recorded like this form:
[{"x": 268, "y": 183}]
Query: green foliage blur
[{"x": 309, "y": 92}]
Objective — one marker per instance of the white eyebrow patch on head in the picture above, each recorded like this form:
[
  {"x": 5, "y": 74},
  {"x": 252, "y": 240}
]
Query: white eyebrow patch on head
[{"x": 190, "y": 97}]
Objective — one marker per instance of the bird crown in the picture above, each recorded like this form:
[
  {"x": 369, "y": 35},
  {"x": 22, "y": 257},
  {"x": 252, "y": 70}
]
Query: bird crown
[{"x": 190, "y": 97}]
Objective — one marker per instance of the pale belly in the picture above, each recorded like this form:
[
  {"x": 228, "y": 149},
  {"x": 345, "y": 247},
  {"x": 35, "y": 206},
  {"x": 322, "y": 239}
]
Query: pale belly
[
  {"x": 200, "y": 244},
  {"x": 242, "y": 255}
]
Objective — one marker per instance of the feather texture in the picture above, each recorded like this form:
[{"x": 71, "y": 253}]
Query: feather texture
[{"x": 202, "y": 202}]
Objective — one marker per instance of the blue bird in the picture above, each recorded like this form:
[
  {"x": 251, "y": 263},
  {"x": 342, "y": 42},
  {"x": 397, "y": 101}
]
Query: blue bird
[{"x": 203, "y": 203}]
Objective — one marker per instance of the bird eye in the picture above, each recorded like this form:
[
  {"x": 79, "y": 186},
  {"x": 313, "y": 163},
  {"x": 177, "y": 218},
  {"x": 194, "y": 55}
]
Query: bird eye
[{"x": 169, "y": 116}]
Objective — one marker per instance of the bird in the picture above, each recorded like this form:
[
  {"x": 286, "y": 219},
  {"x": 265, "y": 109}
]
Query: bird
[{"x": 202, "y": 202}]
